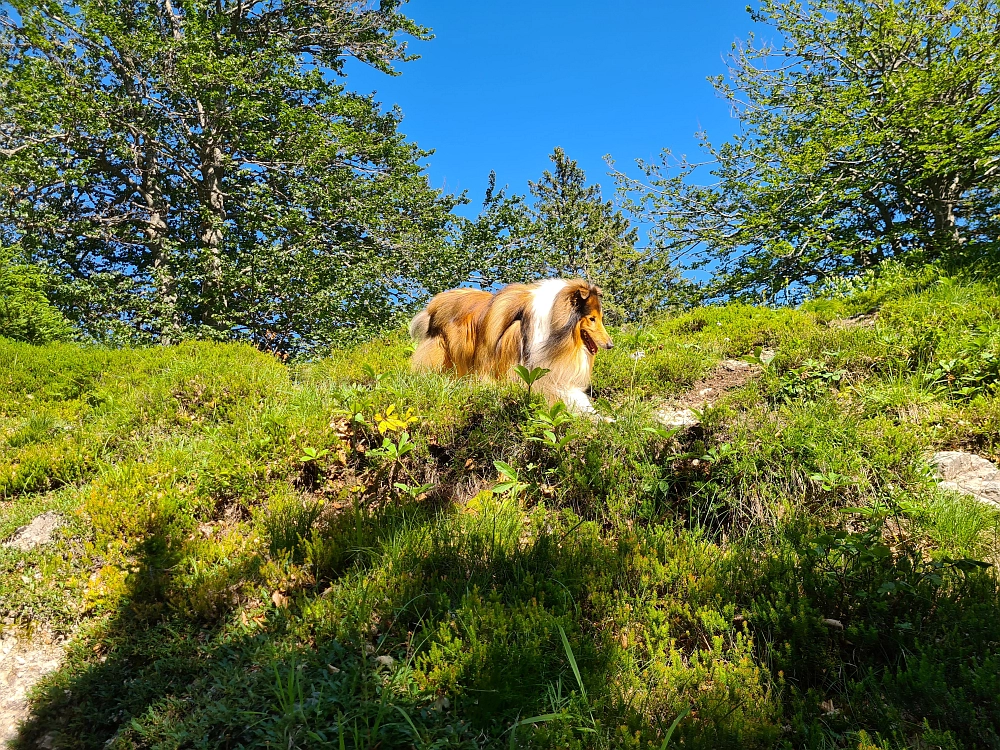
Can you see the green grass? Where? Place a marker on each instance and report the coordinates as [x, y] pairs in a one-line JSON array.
[[254, 554]]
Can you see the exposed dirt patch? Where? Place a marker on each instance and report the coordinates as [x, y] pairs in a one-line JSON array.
[[727, 376], [36, 533], [23, 661], [865, 320]]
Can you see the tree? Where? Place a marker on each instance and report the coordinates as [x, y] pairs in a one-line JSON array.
[[498, 245], [568, 230], [200, 169], [581, 234], [871, 132], [25, 311]]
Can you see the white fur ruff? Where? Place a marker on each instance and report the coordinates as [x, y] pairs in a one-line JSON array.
[[543, 298], [567, 380]]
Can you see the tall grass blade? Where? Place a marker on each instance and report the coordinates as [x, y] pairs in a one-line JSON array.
[[572, 661], [531, 720], [673, 726], [416, 733]]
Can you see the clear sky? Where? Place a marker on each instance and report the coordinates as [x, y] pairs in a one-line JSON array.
[[503, 83]]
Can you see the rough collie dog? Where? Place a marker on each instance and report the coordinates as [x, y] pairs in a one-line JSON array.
[[555, 324]]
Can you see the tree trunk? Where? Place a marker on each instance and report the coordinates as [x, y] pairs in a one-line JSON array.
[[213, 215], [156, 231], [166, 291], [946, 195]]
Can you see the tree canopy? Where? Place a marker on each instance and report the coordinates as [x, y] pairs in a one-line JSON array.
[[869, 132], [200, 168]]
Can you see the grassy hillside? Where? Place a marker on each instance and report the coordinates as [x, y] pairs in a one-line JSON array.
[[329, 555]]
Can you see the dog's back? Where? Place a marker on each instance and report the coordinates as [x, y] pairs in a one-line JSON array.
[[446, 331]]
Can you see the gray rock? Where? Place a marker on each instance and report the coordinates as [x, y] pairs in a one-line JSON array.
[[968, 474], [23, 662], [36, 533], [676, 417]]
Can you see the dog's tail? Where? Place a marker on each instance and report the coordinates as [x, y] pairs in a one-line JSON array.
[[420, 326]]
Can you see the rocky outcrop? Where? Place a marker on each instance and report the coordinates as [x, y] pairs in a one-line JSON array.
[[968, 474]]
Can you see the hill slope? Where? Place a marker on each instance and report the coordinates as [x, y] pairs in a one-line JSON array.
[[330, 554]]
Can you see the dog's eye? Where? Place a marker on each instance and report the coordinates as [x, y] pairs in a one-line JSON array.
[[592, 319]]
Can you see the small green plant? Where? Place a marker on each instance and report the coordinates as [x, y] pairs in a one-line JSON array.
[[373, 375], [974, 372], [831, 481], [717, 453], [511, 482], [549, 425], [530, 377], [808, 382], [863, 567], [310, 454], [396, 449], [757, 358], [414, 492], [664, 433]]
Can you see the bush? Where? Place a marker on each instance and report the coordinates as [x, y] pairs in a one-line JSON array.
[[25, 312]]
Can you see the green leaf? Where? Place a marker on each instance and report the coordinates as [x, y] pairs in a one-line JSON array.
[[505, 469], [673, 727], [572, 661]]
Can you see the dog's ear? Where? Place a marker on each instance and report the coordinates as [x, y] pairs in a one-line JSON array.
[[597, 290], [583, 292]]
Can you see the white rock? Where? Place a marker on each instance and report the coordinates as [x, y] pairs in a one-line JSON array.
[[22, 664], [676, 417], [36, 533], [968, 474]]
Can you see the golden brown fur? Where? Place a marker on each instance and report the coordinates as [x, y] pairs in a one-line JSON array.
[[553, 324]]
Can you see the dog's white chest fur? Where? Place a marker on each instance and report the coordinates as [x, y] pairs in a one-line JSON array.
[[566, 378]]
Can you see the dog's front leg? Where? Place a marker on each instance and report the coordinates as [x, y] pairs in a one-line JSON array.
[[576, 401]]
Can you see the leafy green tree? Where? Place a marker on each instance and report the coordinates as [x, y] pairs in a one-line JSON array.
[[498, 245], [25, 311], [870, 132], [199, 168]]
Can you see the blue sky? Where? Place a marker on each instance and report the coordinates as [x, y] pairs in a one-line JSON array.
[[503, 83]]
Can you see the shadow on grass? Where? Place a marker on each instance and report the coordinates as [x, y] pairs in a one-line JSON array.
[[339, 668], [409, 605]]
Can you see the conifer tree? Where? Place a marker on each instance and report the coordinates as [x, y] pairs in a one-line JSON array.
[[578, 233]]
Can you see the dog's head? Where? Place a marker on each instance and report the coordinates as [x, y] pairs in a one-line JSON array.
[[590, 327]]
